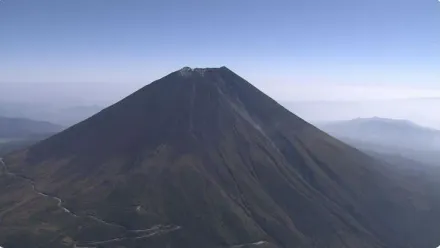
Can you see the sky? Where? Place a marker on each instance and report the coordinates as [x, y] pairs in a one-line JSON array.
[[97, 51]]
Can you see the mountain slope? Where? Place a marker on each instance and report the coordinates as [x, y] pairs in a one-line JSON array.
[[201, 158]]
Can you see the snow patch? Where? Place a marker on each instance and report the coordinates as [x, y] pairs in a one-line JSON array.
[[140, 234], [186, 71], [251, 244], [201, 71]]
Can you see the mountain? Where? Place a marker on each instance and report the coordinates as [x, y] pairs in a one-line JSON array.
[[17, 133], [419, 109], [18, 128], [59, 113], [388, 136], [201, 158]]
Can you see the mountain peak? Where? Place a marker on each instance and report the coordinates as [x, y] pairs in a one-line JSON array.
[[188, 71]]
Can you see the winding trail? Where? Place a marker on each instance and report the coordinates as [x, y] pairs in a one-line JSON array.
[[60, 202], [34, 188], [251, 244], [141, 233], [154, 231]]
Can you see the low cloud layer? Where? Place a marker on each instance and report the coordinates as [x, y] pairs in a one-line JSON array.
[[419, 110]]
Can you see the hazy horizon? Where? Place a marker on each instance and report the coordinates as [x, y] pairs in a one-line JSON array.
[[417, 110], [80, 53]]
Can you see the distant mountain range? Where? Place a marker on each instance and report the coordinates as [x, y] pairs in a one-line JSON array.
[[19, 128], [390, 136], [201, 158], [16, 133], [419, 110], [61, 115]]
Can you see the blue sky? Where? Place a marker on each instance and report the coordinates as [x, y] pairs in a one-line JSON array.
[[293, 50]]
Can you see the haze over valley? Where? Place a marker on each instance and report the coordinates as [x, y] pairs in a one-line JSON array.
[[75, 106]]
